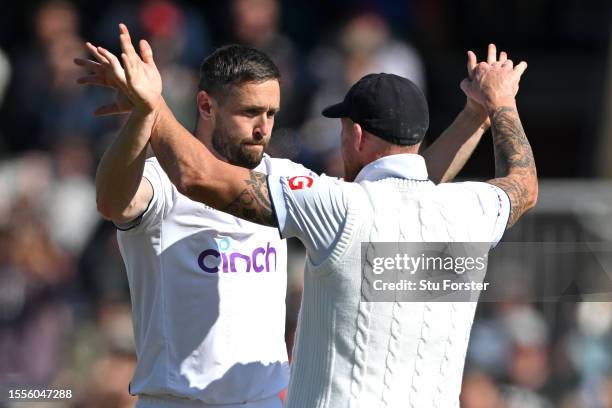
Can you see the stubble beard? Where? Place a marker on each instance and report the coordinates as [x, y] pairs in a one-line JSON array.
[[235, 153]]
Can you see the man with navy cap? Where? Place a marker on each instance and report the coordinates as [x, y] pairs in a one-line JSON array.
[[350, 351]]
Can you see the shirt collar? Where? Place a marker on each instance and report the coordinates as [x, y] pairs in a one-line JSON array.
[[261, 167], [405, 166]]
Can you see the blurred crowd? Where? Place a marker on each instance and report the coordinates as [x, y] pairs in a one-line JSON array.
[[64, 300]]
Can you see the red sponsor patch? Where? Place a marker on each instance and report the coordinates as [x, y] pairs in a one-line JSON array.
[[300, 182]]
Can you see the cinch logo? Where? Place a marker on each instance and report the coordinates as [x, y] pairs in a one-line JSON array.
[[258, 260], [300, 182]]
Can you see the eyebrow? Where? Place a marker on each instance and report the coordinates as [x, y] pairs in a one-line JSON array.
[[259, 108]]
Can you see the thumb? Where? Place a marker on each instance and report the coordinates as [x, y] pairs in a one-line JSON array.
[[110, 109], [471, 63], [464, 85], [520, 69]]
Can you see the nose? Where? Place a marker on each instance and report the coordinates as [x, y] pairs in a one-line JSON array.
[[263, 127]]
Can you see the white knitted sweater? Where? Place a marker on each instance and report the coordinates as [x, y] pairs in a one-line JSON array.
[[354, 353]]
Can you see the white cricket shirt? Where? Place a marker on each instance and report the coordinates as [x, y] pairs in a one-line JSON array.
[[208, 298]]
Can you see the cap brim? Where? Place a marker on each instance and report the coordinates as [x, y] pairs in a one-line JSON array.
[[335, 111]]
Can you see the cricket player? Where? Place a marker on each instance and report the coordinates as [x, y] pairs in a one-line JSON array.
[[208, 288]]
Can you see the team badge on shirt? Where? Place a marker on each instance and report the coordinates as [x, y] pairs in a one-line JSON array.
[[300, 182]]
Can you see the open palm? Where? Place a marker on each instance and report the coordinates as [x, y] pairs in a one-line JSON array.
[[138, 85], [102, 73], [142, 77]]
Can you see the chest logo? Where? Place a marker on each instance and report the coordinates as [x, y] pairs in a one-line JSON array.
[[214, 260], [300, 182]]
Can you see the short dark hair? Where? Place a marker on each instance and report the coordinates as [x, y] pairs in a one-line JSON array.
[[235, 65]]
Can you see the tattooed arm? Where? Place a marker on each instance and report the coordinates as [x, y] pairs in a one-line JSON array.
[[515, 169], [495, 85], [202, 177], [253, 203]]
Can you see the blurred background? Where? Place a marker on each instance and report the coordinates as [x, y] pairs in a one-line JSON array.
[[64, 300]]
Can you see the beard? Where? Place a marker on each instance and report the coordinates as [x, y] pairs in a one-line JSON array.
[[233, 149]]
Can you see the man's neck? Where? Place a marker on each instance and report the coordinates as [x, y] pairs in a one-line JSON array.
[[204, 135]]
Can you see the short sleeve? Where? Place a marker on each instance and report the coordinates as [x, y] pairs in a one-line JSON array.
[[164, 196], [312, 209], [288, 168], [297, 169], [493, 205]]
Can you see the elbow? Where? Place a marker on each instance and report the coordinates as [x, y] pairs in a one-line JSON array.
[[532, 197], [109, 210], [105, 208]]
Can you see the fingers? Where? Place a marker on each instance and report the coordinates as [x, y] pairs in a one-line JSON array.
[[93, 79], [147, 53], [111, 109], [89, 64], [123, 29], [480, 70], [94, 51], [471, 63], [520, 69], [115, 64], [126, 48], [502, 57], [491, 54], [508, 64], [129, 67], [126, 44], [109, 56]]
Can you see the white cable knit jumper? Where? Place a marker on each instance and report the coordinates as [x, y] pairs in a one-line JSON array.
[[352, 353]]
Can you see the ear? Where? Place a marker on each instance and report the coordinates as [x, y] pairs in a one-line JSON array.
[[206, 105], [358, 138]]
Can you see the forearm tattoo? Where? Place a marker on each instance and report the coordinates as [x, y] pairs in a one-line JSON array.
[[512, 155], [253, 203]]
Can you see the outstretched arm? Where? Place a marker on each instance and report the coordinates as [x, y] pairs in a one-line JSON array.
[[122, 194], [495, 86], [515, 169]]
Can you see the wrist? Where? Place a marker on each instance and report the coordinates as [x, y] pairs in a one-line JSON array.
[[144, 115], [148, 111], [476, 114], [493, 105], [157, 115], [474, 111]]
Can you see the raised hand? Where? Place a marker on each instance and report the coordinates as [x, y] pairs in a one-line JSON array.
[[144, 84], [471, 104], [103, 73], [495, 82], [138, 82]]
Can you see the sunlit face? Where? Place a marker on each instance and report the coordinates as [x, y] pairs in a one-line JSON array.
[[244, 120]]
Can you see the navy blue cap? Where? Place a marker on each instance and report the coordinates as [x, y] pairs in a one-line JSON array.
[[386, 105]]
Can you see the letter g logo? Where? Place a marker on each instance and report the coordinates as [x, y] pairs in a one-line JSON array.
[[300, 182]]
